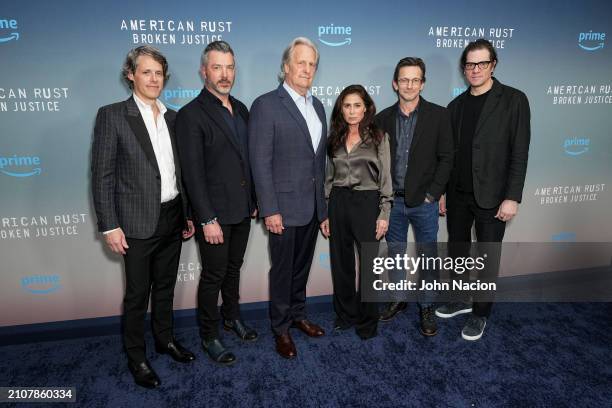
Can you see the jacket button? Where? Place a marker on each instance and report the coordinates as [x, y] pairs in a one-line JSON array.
[[158, 177], [243, 183], [313, 180]]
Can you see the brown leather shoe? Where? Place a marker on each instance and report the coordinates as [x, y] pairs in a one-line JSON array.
[[309, 328], [285, 346]]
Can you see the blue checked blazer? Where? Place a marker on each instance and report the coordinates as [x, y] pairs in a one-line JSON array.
[[288, 173]]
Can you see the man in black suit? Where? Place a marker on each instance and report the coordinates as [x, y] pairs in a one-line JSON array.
[[212, 139], [491, 129], [287, 140], [421, 143], [140, 206]]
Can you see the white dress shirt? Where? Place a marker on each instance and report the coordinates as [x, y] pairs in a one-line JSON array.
[[306, 108], [160, 139]]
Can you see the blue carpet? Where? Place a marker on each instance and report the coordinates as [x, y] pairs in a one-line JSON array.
[[553, 355]]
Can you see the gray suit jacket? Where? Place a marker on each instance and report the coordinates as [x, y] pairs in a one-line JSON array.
[[125, 179], [289, 175]]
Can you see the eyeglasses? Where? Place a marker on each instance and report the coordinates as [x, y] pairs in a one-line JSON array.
[[408, 81], [471, 65]]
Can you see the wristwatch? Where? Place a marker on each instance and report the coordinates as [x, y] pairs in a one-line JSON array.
[[210, 221]]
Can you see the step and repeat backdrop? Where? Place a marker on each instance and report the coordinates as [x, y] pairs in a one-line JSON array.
[[61, 61]]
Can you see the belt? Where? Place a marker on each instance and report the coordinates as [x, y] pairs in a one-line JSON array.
[[172, 202]]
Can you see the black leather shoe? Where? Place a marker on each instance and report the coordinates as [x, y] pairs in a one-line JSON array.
[[341, 325], [391, 310], [217, 352], [176, 351], [144, 375], [367, 335], [242, 330], [428, 324]]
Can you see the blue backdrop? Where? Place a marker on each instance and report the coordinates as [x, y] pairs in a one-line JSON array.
[[61, 61]]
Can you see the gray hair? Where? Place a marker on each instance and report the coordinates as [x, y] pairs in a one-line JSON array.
[[289, 52], [220, 46], [131, 62]]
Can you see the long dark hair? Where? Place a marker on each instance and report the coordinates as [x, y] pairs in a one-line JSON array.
[[368, 130]]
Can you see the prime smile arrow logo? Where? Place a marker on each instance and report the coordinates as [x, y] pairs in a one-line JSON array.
[[347, 41], [9, 25], [598, 46], [34, 172], [13, 36], [335, 36], [594, 40]]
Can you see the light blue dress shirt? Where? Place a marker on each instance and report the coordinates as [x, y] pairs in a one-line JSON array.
[[306, 108]]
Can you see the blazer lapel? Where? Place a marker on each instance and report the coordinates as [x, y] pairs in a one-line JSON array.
[[295, 112], [321, 114], [136, 122], [422, 118], [207, 105]]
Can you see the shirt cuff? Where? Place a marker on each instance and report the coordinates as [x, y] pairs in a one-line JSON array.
[[109, 231]]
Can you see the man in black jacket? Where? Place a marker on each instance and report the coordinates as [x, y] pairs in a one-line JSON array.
[[491, 129], [141, 207], [212, 139], [421, 143]]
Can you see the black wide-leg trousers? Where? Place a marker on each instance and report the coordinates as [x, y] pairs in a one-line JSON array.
[[352, 221]]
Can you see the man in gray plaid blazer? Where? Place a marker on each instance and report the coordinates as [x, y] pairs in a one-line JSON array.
[[140, 207]]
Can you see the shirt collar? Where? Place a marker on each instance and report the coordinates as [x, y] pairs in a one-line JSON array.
[[145, 107], [403, 115], [215, 99], [296, 96]]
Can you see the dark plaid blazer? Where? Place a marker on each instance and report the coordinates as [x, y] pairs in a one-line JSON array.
[[125, 178]]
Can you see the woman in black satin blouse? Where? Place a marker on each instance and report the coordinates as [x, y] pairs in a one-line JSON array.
[[358, 186]]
